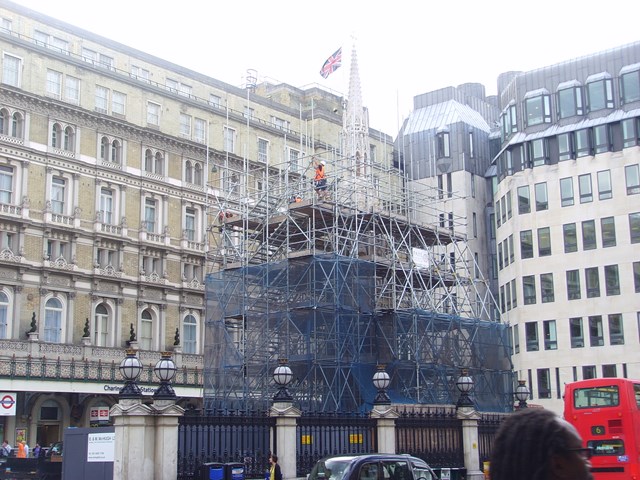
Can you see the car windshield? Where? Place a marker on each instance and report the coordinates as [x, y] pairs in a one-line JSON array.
[[329, 469]]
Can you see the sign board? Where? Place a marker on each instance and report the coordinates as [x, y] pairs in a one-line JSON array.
[[99, 416], [445, 474], [420, 257], [101, 447], [7, 404]]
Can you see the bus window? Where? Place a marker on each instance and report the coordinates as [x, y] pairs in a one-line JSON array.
[[636, 390], [605, 396]]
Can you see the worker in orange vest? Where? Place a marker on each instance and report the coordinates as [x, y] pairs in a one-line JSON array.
[[320, 179]]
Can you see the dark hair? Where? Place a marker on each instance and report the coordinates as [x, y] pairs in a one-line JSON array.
[[524, 444], [274, 458]]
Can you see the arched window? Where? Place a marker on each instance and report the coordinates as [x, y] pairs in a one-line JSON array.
[[148, 161], [159, 164], [197, 174], [69, 139], [101, 326], [53, 321], [188, 173], [4, 314], [189, 334], [4, 121], [104, 148], [56, 136], [17, 125], [116, 152], [146, 330]]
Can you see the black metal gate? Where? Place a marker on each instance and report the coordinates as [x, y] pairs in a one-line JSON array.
[[224, 439], [322, 435], [433, 434]]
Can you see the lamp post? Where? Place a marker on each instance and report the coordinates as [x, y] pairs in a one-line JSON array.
[[464, 385], [282, 375], [381, 380], [165, 370], [130, 369], [522, 394]]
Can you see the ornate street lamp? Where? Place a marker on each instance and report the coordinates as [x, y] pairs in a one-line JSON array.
[[522, 393], [381, 380], [130, 369], [282, 375], [165, 370], [464, 385]]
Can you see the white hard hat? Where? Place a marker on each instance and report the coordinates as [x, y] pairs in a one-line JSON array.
[[323, 162]]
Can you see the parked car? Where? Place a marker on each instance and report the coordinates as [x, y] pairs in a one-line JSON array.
[[54, 450], [372, 467]]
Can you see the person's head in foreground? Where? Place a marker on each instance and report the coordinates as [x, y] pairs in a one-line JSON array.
[[536, 444]]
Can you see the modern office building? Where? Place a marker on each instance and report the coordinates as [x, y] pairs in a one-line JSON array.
[[567, 211], [113, 166]]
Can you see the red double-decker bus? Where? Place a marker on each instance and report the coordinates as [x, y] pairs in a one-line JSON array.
[[606, 412]]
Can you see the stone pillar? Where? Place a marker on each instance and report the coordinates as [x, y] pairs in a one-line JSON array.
[[286, 420], [386, 423], [470, 418], [166, 438], [134, 452]]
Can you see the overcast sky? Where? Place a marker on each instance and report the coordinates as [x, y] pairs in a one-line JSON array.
[[404, 47]]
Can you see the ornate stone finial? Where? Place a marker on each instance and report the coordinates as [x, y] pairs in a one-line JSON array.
[[132, 333], [176, 338], [85, 333], [34, 325]]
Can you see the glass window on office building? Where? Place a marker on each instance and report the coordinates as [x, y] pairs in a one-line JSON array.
[[612, 280], [537, 107], [588, 372], [592, 281], [570, 237], [589, 235], [573, 284], [583, 142], [596, 334], [634, 227], [531, 336], [630, 134], [526, 244], [604, 185], [566, 148], [569, 99], [608, 230], [544, 242], [550, 335], [524, 202], [630, 83], [544, 383], [599, 92], [609, 371], [601, 138], [616, 329], [576, 332], [529, 289], [542, 199], [566, 191], [584, 187], [546, 288], [632, 178]]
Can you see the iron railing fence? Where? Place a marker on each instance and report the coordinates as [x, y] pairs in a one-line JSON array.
[[488, 425], [433, 434], [242, 438], [320, 435]]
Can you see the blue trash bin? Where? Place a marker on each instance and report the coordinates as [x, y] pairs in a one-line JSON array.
[[234, 471], [212, 471]]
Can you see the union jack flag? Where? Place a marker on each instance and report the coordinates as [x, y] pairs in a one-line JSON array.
[[332, 63]]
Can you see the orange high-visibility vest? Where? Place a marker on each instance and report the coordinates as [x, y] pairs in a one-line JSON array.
[[319, 172]]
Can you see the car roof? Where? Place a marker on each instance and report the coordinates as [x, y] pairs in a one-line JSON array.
[[374, 456]]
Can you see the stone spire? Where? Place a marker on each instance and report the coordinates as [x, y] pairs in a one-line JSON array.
[[356, 123]]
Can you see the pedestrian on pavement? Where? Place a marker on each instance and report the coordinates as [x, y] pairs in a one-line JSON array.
[[275, 472]]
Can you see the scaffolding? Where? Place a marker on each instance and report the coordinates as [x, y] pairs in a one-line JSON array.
[[362, 276]]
